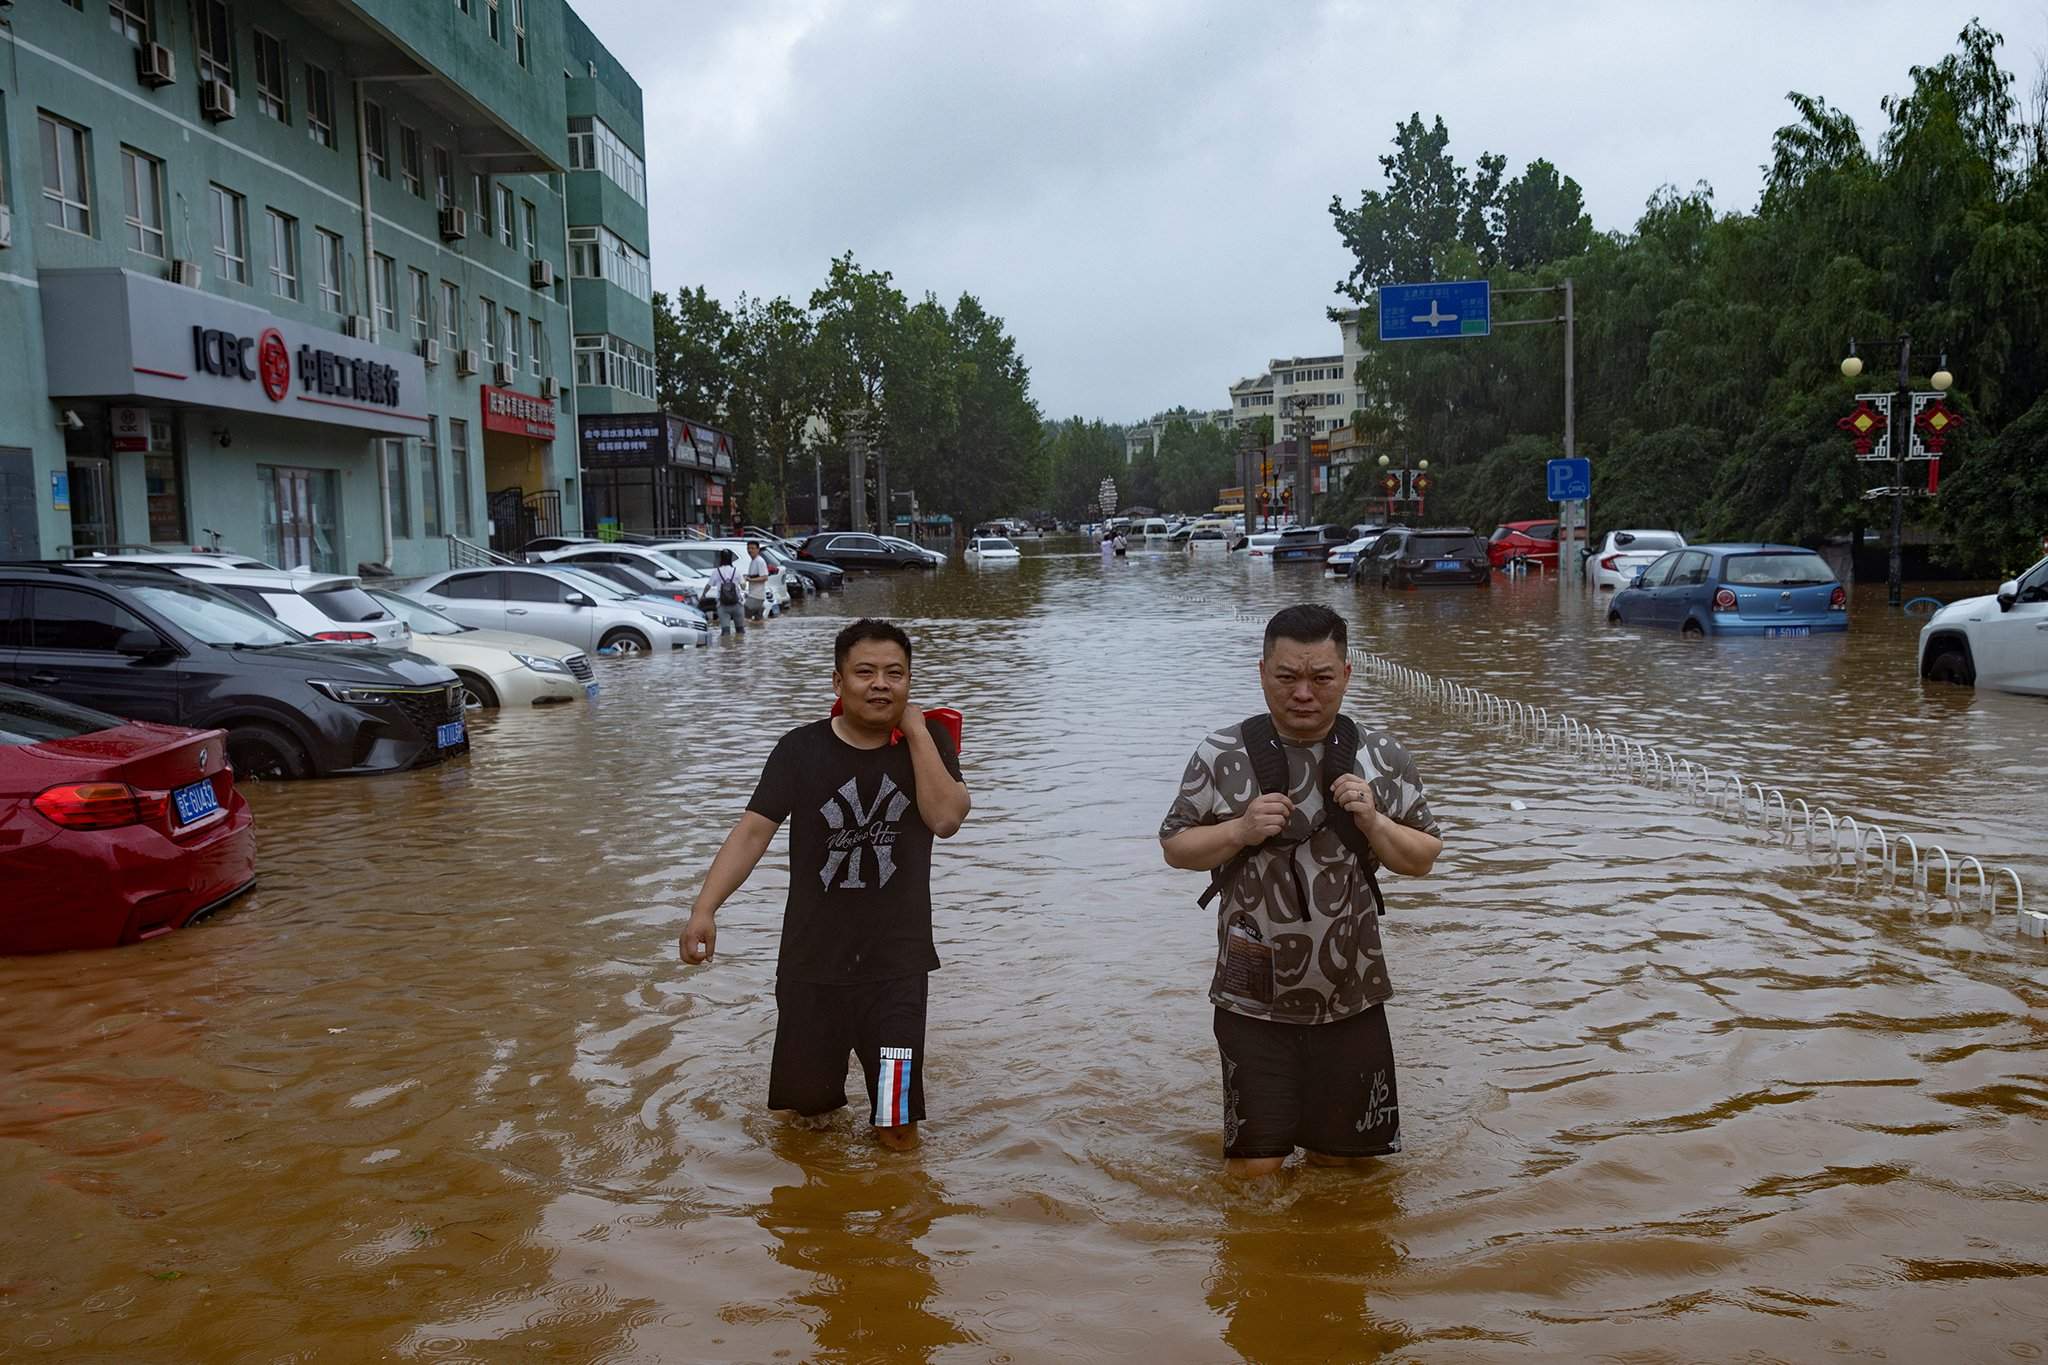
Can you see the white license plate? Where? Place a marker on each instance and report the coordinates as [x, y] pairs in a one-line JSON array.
[[449, 735], [589, 691], [195, 802], [1776, 631]]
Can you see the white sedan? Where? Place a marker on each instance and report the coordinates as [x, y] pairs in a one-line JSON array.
[[1999, 642], [1620, 554], [992, 550], [497, 668]]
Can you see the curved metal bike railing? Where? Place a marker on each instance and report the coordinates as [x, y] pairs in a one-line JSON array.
[[1852, 845]]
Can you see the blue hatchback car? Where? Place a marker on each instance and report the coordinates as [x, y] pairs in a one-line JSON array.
[[1735, 590]]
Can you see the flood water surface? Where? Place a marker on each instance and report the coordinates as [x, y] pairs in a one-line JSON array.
[[439, 1090]]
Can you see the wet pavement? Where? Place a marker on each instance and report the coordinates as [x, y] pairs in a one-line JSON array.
[[438, 1090]]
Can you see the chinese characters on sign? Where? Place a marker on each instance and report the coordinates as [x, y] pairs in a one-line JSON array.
[[518, 414]]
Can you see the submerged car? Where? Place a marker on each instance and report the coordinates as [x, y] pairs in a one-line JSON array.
[[1405, 557], [1614, 562], [992, 550], [559, 603], [1999, 641], [1771, 590], [496, 668], [323, 605], [116, 831], [1535, 541]]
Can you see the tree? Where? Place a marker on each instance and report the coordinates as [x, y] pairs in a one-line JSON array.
[[775, 391], [692, 364]]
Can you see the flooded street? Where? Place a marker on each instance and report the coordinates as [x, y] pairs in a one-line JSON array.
[[439, 1089]]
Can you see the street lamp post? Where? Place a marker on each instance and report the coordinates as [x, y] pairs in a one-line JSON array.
[[1898, 423], [1304, 462]]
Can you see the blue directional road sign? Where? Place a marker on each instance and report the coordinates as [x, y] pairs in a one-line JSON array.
[[1447, 308], [1569, 480]]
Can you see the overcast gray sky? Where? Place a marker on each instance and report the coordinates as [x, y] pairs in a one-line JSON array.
[[1140, 187]]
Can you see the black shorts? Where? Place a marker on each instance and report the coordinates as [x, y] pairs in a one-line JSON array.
[[816, 1026], [1326, 1087]]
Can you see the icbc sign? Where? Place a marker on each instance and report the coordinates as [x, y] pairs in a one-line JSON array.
[[518, 414], [267, 360]]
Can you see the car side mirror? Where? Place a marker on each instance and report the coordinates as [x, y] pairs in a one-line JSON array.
[[2008, 593], [579, 599], [664, 575], [140, 644], [1636, 579]]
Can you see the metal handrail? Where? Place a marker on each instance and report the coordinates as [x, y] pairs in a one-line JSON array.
[[467, 554]]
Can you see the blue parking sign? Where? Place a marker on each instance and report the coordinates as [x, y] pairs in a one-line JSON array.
[[1569, 480]]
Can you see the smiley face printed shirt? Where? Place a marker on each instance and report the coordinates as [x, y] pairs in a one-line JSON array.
[[860, 856], [1297, 939]]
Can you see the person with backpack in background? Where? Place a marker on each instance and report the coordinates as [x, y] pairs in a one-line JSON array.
[[725, 593], [1293, 811]]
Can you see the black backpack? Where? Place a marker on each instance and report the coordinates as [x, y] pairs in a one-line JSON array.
[[728, 585], [1269, 765]]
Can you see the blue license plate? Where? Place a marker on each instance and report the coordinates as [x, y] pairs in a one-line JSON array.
[[195, 802], [449, 735], [589, 691], [1775, 631], [1451, 565]]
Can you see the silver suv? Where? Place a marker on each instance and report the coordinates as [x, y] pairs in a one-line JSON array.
[[560, 604]]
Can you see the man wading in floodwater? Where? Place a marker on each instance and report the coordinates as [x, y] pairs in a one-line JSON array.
[[867, 790], [1300, 977]]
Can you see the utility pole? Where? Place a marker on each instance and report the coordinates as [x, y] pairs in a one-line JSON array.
[[1304, 461], [1898, 415], [857, 474], [817, 489], [1902, 428], [885, 515]]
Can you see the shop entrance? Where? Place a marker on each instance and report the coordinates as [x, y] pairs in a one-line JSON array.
[[19, 538], [299, 524], [92, 501], [517, 499]]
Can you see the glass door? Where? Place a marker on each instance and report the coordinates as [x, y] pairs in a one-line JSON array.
[[92, 500], [299, 519]]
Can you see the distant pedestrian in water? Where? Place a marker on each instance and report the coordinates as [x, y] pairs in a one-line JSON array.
[[866, 792], [1123, 544], [728, 592], [1108, 545], [1293, 811]]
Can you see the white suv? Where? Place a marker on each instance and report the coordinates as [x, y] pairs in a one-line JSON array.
[[1999, 642], [323, 605]]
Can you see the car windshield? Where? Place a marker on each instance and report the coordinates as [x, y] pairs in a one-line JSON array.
[[1783, 569], [1658, 541], [423, 619], [595, 586], [26, 718], [211, 616], [1445, 547]]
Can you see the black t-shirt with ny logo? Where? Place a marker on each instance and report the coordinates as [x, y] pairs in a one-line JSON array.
[[860, 856]]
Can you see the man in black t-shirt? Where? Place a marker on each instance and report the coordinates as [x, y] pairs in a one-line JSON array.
[[865, 792]]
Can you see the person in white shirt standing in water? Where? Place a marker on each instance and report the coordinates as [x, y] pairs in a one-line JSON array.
[[757, 581]]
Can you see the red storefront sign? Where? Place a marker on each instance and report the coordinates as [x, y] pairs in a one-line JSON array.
[[714, 495], [518, 414]]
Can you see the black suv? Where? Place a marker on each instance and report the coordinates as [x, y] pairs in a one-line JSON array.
[[1405, 557], [859, 550], [149, 645]]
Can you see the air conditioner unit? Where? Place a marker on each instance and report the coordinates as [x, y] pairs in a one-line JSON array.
[[185, 273], [357, 326], [550, 388], [502, 374], [541, 274], [155, 67], [6, 226], [430, 352], [217, 100], [466, 361], [454, 224]]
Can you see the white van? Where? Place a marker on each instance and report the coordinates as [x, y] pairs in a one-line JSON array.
[[1156, 529]]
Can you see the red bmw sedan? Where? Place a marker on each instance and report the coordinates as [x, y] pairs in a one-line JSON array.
[[112, 831]]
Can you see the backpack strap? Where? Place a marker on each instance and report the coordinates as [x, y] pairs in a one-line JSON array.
[[1340, 757]]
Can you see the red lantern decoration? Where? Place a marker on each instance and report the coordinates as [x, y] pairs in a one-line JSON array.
[[1863, 425], [1937, 422]]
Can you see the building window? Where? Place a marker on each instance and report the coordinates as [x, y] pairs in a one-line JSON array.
[[272, 94], [330, 269], [319, 106], [430, 482], [394, 474], [451, 316], [609, 361], [512, 331], [593, 146], [284, 255], [230, 234], [374, 139], [215, 35], [597, 253], [492, 22], [461, 7], [480, 202], [444, 179], [519, 30], [508, 226], [67, 198], [422, 289], [533, 345], [130, 19], [458, 458], [532, 229], [490, 311], [411, 168], [589, 361], [142, 179], [384, 292]]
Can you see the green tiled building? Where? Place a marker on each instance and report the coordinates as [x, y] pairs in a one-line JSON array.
[[333, 279]]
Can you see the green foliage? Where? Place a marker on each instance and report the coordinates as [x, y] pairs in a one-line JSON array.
[[1078, 456], [693, 371], [1708, 343]]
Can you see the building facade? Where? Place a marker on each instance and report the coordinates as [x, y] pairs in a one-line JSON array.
[[1142, 438], [1327, 381], [295, 276]]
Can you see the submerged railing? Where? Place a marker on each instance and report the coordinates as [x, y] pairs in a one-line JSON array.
[[1728, 794]]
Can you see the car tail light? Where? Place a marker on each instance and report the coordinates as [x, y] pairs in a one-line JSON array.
[[774, 568], [1258, 554], [343, 636], [100, 805], [1724, 600], [1838, 600], [1609, 565]]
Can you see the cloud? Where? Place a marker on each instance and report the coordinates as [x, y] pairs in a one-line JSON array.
[[1140, 187]]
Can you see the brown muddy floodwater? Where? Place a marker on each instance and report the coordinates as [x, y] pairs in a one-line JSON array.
[[439, 1090]]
